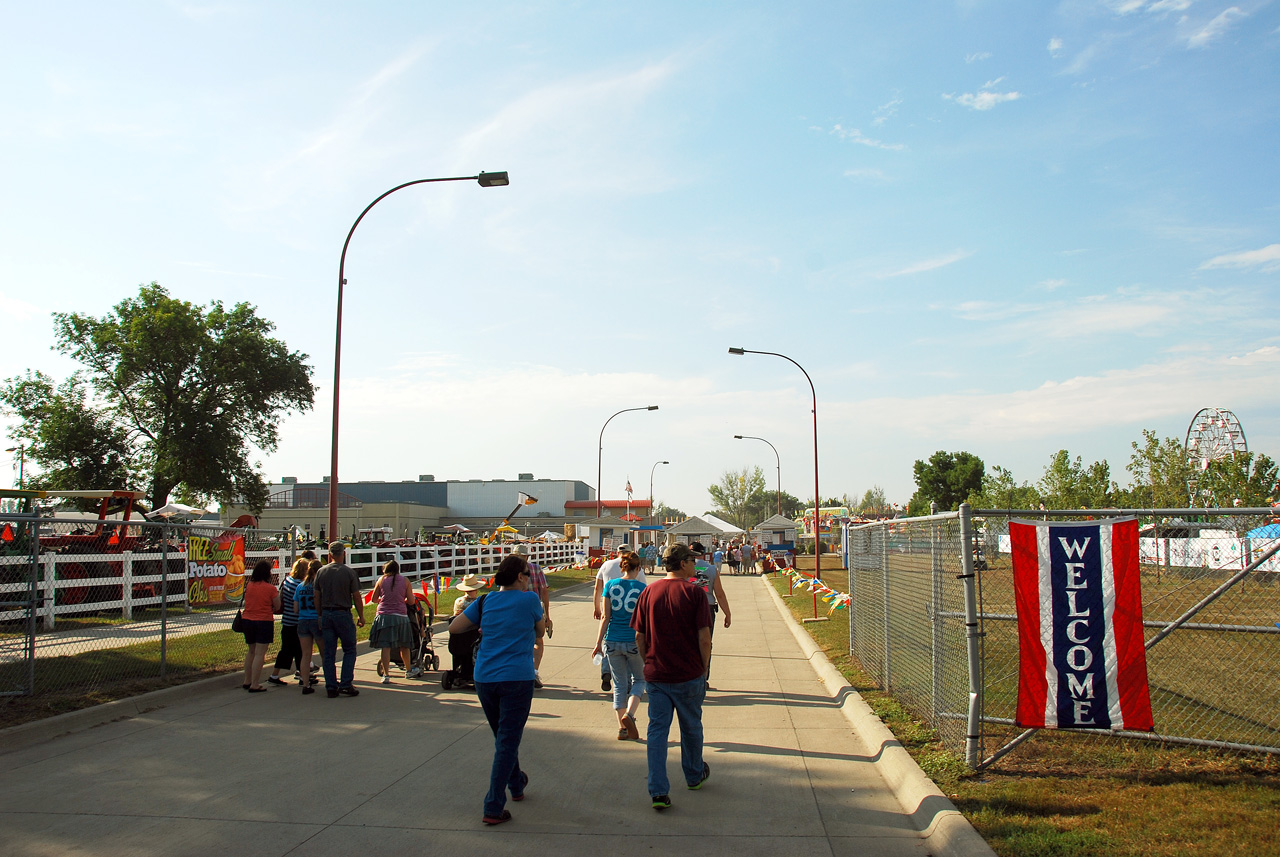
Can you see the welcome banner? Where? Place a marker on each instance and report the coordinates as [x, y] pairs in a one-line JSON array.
[[1082, 664]]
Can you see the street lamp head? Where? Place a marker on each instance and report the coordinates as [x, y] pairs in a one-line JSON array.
[[652, 407], [737, 351], [737, 437], [493, 179], [666, 462]]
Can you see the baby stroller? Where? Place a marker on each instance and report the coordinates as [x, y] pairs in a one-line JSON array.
[[421, 618], [463, 647]]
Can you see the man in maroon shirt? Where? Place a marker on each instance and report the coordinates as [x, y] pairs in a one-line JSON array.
[[672, 620]]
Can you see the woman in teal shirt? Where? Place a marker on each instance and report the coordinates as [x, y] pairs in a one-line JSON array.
[[618, 638]]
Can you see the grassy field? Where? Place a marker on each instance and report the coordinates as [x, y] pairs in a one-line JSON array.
[[69, 683], [1073, 797]]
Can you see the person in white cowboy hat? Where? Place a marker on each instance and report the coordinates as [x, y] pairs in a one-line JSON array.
[[468, 586]]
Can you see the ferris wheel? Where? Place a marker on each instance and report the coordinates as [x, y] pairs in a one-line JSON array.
[[1214, 434]]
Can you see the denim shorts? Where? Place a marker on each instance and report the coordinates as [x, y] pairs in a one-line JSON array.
[[309, 628]]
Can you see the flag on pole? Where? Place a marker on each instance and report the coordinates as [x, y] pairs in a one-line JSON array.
[[525, 499], [1081, 659], [628, 488]]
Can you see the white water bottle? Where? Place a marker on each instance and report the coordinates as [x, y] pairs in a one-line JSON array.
[[598, 659]]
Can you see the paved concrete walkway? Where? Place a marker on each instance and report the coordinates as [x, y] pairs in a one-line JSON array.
[[404, 767]]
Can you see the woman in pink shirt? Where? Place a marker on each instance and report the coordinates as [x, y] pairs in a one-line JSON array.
[[261, 603], [391, 628]]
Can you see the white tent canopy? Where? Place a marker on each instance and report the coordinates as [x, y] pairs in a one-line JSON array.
[[551, 535], [723, 525], [180, 511]]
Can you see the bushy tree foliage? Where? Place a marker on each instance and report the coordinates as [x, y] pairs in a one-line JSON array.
[[739, 497], [947, 478], [1001, 491], [183, 392], [1069, 484]]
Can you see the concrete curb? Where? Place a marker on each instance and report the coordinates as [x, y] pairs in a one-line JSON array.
[[946, 832], [38, 731]]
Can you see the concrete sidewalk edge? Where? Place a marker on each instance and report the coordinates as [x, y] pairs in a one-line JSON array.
[[948, 833]]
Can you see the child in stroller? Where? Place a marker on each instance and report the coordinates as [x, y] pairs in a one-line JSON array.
[[463, 647], [421, 618]]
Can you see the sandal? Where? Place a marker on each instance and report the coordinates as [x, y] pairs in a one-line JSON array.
[[623, 734], [380, 670]]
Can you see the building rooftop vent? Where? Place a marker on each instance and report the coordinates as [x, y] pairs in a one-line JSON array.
[[526, 477], [427, 477], [289, 480]]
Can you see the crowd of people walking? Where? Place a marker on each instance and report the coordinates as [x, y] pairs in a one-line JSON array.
[[653, 638]]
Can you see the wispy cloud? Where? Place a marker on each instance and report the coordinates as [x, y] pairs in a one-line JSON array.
[[1055, 46], [886, 111], [1214, 30], [982, 100], [853, 135], [1267, 259], [928, 264], [977, 57]]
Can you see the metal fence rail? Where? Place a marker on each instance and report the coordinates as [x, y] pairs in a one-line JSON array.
[[1211, 597], [89, 604]]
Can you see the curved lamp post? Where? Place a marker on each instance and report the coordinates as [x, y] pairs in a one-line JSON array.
[[600, 451], [775, 455], [817, 498], [499, 179], [652, 517]]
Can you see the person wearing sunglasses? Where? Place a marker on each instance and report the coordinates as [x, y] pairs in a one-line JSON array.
[[510, 620]]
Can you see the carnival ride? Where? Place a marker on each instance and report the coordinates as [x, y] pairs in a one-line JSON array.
[[1215, 434]]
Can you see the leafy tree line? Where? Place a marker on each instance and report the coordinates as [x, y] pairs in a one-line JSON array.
[[1159, 469], [171, 395]]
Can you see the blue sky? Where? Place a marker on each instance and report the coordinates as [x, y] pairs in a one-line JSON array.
[[1002, 227]]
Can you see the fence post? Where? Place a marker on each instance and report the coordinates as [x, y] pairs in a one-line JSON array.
[[884, 573], [50, 593], [34, 542], [164, 598], [973, 749], [126, 585], [935, 565]]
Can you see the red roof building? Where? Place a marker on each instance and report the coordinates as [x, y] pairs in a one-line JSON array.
[[587, 508]]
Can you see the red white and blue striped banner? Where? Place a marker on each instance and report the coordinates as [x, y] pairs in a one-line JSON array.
[[1081, 661]]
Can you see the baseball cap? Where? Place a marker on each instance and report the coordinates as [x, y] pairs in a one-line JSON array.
[[624, 547], [697, 548]]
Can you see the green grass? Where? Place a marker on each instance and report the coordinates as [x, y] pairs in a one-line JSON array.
[[72, 682], [1068, 796]]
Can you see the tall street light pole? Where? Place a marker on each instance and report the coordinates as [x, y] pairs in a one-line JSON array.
[[22, 450], [651, 515], [775, 455], [498, 179], [600, 451], [817, 498]]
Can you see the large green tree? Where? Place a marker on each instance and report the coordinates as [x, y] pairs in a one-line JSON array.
[[72, 445], [739, 497], [1001, 491], [947, 478], [1069, 484], [186, 391], [1244, 479], [1161, 473]]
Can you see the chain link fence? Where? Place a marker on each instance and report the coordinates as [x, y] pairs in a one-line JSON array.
[[94, 609], [1211, 600]]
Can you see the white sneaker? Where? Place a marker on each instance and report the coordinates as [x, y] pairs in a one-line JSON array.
[[386, 679], [537, 679], [413, 673]]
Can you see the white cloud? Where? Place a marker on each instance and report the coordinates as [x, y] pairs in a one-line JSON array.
[[928, 264], [1268, 259], [977, 57], [853, 135], [983, 100], [886, 111], [991, 83], [1215, 28], [1055, 46], [1050, 285]]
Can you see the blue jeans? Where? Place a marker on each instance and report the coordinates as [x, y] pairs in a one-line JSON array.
[[685, 700], [506, 706], [627, 668], [337, 625]]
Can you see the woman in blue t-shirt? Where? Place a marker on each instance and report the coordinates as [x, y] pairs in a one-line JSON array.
[[510, 621], [618, 638]]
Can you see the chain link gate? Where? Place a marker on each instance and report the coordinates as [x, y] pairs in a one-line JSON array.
[[19, 603], [1211, 598]]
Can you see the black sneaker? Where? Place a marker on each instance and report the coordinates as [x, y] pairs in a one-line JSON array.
[[661, 802], [348, 691], [332, 694], [271, 679], [605, 683], [706, 772]]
